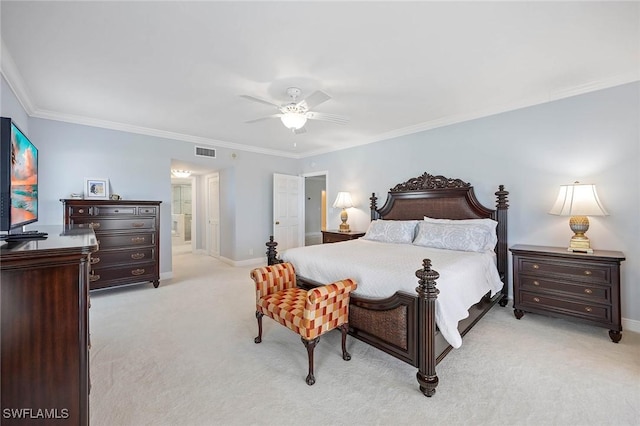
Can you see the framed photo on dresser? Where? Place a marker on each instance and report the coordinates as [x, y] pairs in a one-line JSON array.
[[96, 188]]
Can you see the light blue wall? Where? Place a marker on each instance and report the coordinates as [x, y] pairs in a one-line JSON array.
[[593, 138]]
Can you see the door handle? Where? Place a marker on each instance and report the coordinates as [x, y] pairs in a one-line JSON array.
[[277, 223]]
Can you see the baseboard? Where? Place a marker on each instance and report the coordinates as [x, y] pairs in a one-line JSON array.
[[249, 262], [630, 325]]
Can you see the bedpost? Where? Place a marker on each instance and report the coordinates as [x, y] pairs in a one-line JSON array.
[[272, 254], [427, 295], [374, 207], [502, 249]]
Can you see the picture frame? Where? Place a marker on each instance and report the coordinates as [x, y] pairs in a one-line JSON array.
[[96, 188]]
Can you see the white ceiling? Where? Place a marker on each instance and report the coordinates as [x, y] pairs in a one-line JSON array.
[[177, 69]]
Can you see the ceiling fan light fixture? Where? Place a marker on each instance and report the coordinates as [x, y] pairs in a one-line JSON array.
[[293, 120]]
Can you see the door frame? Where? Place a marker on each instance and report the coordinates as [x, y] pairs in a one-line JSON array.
[[207, 246], [324, 173]]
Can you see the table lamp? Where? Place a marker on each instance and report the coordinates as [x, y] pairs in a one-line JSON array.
[[578, 201], [343, 201]]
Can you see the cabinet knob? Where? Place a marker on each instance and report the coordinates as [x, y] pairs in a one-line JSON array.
[[535, 266], [587, 272], [80, 211], [536, 283], [588, 309], [536, 299], [588, 290]]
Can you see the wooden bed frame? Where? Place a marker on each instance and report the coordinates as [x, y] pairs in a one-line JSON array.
[[403, 325]]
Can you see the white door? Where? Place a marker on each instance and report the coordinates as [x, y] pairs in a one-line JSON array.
[[288, 214], [212, 184]]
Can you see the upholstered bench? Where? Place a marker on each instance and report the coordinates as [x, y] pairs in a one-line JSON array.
[[310, 313]]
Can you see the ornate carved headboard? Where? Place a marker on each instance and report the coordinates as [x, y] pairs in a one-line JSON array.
[[445, 198]]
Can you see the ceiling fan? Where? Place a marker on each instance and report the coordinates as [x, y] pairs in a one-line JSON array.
[[294, 115]]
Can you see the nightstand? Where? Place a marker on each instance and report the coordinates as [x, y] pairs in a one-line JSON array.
[[334, 236], [577, 286]]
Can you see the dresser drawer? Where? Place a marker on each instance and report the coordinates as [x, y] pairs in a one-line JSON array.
[[114, 210], [590, 293], [105, 277], [101, 224], [147, 211], [115, 257], [125, 240], [583, 310], [583, 272]]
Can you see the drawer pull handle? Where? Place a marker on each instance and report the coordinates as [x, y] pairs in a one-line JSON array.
[[95, 260], [535, 299], [535, 266], [137, 271], [116, 211], [588, 291], [137, 224], [588, 309], [587, 272], [80, 211], [137, 256], [93, 278], [536, 283], [137, 240], [93, 225]]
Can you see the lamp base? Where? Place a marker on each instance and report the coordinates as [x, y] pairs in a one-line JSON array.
[[344, 226], [580, 244]]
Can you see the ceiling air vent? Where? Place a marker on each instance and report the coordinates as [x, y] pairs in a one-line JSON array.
[[205, 152]]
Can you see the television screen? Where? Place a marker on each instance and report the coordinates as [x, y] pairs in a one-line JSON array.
[[19, 179]]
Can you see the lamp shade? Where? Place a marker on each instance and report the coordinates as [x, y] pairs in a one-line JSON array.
[[343, 201], [293, 120], [578, 200]]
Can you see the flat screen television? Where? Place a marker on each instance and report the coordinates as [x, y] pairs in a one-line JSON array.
[[18, 178]]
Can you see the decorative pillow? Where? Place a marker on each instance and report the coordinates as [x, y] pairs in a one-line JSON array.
[[461, 237], [489, 224], [391, 231]]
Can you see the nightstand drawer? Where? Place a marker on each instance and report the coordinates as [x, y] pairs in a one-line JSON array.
[[582, 310], [591, 293], [584, 271]]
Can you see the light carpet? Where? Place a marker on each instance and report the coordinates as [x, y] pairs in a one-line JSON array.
[[183, 354]]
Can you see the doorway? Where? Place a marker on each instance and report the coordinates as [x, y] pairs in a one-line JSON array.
[[181, 215], [315, 207]]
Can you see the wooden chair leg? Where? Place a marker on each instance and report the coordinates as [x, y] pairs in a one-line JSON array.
[[259, 316], [310, 345], [345, 355]]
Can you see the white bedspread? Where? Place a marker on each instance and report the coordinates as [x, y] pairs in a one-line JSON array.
[[381, 269]]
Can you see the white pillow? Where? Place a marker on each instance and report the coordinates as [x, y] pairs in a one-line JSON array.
[[461, 237], [391, 231], [489, 224]]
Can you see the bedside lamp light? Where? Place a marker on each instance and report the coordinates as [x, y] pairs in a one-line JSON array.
[[343, 201], [578, 201]]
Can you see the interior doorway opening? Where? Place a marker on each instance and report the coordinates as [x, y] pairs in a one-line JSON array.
[[315, 208]]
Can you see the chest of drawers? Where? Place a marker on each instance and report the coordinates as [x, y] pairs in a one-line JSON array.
[[128, 238], [578, 286]]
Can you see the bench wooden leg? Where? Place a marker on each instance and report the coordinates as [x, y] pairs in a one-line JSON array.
[[345, 355], [310, 345], [259, 316]]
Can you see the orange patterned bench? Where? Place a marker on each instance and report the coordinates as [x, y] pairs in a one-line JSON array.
[[309, 313]]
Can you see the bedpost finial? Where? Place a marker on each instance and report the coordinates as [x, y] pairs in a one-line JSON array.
[[501, 194], [427, 280], [272, 254]]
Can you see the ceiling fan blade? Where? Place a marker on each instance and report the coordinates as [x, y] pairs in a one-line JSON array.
[[334, 118], [314, 99], [264, 118], [262, 101]]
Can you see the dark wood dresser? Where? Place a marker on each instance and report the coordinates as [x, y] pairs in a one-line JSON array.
[[330, 236], [578, 286], [128, 237], [44, 306]]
